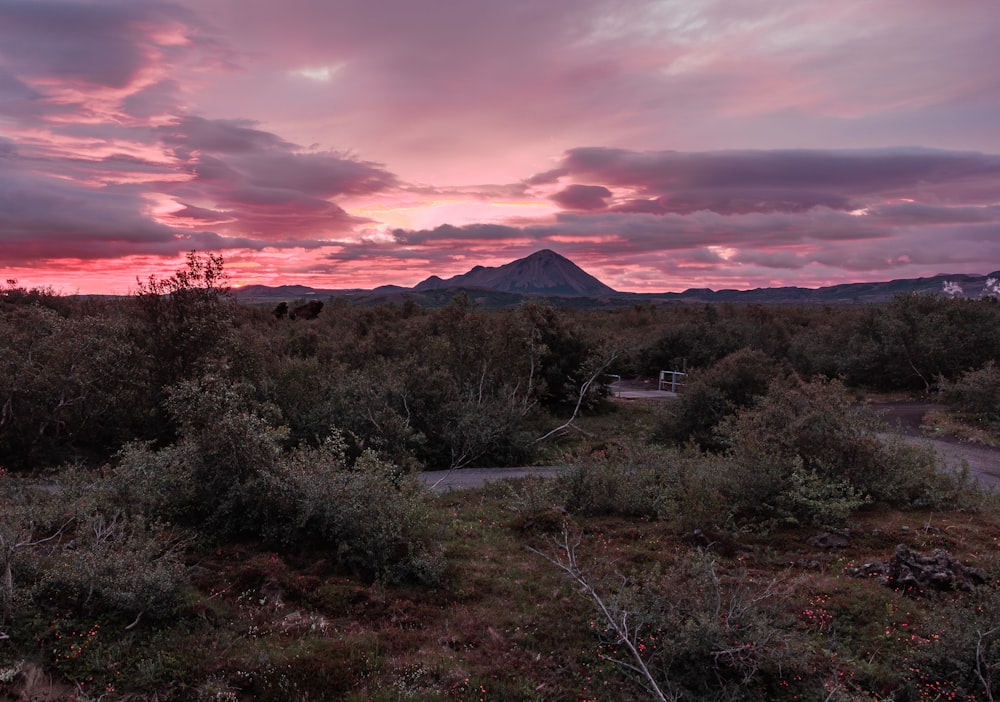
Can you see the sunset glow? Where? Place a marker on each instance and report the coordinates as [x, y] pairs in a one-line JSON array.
[[345, 144]]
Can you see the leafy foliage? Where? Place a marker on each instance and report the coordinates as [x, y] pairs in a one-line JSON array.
[[734, 382], [975, 392], [242, 487], [810, 437], [369, 517]]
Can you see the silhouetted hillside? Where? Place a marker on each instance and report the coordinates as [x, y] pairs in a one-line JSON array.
[[547, 275], [544, 272]]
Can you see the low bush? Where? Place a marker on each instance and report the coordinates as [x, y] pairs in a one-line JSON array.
[[684, 631], [806, 454], [115, 566], [734, 382], [644, 480], [809, 454], [975, 393], [370, 516]]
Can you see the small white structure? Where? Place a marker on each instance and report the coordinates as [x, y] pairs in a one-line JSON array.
[[673, 383]]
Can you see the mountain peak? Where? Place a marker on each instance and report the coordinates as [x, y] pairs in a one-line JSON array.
[[543, 271]]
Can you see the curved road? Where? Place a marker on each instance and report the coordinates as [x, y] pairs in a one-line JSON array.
[[905, 419], [983, 462]]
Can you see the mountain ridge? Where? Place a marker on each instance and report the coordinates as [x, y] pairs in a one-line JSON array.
[[549, 275]]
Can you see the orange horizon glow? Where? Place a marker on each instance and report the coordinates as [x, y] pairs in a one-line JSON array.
[[658, 147]]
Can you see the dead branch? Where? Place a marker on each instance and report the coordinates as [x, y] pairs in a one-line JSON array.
[[584, 389], [986, 678], [618, 622]]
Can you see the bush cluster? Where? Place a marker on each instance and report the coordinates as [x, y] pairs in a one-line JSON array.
[[975, 393], [193, 420], [227, 478], [804, 453]]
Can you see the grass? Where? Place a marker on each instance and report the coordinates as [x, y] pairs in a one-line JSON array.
[[505, 624], [938, 423]]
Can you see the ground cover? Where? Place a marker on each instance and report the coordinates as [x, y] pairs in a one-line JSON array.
[[505, 624]]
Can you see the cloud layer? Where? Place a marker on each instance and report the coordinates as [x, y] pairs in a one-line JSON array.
[[661, 145]]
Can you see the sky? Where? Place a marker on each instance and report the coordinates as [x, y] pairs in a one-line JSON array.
[[659, 144]]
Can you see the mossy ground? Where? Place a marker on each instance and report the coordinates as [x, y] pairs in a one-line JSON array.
[[506, 624]]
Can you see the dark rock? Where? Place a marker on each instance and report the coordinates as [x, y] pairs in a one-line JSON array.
[[920, 574]]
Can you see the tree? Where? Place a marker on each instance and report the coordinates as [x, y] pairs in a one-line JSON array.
[[186, 317]]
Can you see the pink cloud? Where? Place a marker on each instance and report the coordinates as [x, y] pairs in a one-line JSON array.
[[582, 197], [351, 141]]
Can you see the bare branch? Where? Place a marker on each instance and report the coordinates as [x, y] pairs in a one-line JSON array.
[[584, 389], [986, 678], [620, 625], [28, 544], [137, 618]]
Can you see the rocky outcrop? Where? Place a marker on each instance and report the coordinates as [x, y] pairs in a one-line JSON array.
[[920, 574]]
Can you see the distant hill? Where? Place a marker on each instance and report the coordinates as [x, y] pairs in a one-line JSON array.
[[547, 275], [543, 272]]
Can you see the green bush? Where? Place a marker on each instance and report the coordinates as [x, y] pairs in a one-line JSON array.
[[805, 454], [711, 395], [620, 480], [370, 517], [975, 392], [186, 320], [913, 339], [811, 499], [645, 481], [117, 566], [807, 443], [69, 386]]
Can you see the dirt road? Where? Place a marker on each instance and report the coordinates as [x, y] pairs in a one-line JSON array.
[[983, 462], [903, 418]]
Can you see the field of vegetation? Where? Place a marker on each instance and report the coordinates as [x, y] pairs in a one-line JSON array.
[[201, 501]]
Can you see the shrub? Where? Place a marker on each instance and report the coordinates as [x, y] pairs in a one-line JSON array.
[[683, 631], [187, 319], [68, 386], [117, 566], [226, 440], [644, 481], [806, 443], [711, 395], [815, 500], [975, 392], [369, 516]]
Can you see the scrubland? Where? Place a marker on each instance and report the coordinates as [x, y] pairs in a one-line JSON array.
[[203, 502]]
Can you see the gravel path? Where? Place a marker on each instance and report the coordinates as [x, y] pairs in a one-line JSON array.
[[903, 417], [983, 462], [441, 480]]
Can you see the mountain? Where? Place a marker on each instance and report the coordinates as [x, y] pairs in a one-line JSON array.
[[543, 272]]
